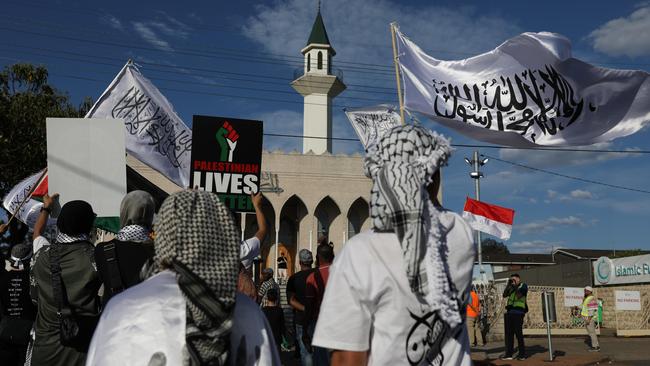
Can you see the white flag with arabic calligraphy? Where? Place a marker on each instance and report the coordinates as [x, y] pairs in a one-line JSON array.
[[528, 91], [155, 134], [370, 123]]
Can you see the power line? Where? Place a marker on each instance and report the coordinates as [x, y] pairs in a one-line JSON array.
[[567, 176]]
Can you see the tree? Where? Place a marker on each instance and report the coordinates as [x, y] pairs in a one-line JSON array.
[[491, 246], [26, 100]]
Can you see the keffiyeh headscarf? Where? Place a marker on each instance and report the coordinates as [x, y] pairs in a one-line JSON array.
[[196, 238], [136, 217], [402, 165]]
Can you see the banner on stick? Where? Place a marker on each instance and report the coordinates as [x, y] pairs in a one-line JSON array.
[[528, 91], [227, 159], [28, 213], [155, 134], [370, 123]]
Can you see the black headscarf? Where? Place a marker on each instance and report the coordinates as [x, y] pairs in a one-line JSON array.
[[76, 218]]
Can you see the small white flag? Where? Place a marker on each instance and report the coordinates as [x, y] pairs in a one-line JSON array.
[[31, 208], [155, 134], [528, 91], [370, 123]]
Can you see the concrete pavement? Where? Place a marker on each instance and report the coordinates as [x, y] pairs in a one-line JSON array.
[[571, 351]]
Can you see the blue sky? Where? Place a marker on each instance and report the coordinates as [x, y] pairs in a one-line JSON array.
[[237, 58]]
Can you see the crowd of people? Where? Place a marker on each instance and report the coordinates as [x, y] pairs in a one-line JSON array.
[[181, 291]]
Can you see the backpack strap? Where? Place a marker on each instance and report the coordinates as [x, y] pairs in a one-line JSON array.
[[58, 288], [115, 283]]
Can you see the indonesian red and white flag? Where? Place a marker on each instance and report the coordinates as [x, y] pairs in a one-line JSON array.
[[491, 219]]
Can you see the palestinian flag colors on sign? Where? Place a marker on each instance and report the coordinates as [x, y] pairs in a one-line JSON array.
[[491, 219], [29, 193]]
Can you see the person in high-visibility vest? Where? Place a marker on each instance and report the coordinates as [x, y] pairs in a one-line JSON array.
[[473, 313], [589, 312], [516, 309]]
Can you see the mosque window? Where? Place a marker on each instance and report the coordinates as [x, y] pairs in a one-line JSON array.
[[308, 62], [319, 62]]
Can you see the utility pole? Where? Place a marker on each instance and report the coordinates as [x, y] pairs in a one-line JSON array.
[[476, 174]]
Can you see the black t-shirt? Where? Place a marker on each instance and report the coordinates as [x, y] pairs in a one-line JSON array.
[[130, 257], [275, 316], [297, 285], [14, 295]]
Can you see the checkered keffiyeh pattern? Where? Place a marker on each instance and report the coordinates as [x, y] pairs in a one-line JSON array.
[[134, 233], [197, 238], [401, 166], [264, 289]]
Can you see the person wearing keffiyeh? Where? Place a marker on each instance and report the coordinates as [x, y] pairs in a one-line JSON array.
[[79, 277], [395, 293], [120, 260], [187, 312]]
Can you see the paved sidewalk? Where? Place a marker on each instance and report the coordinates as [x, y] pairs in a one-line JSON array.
[[571, 351]]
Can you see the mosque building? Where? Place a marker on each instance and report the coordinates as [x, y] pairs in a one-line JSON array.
[[309, 195]]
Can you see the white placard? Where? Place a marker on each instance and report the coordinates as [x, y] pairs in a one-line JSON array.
[[573, 296], [628, 300], [86, 161]]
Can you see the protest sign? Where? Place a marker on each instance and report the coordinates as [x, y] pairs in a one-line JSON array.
[[573, 296], [226, 159], [628, 300], [86, 161]]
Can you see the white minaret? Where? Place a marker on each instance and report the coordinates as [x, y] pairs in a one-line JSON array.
[[318, 86]]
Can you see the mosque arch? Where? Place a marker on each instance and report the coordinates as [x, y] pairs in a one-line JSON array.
[[325, 213], [357, 215]]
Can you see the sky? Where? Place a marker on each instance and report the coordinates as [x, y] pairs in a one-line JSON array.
[[236, 59]]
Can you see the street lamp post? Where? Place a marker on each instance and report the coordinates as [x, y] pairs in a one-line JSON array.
[[476, 174]]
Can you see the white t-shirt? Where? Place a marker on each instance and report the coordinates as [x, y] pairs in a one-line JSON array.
[[150, 318], [248, 250], [368, 304]]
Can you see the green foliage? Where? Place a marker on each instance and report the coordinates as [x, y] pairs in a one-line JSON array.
[[26, 100], [627, 253], [491, 246]]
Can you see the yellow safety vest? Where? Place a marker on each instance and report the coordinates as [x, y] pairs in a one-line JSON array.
[[585, 305], [515, 302]]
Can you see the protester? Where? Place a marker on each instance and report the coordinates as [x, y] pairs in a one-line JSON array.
[[296, 289], [120, 260], [282, 266], [275, 316], [188, 312], [473, 316], [316, 284], [588, 312], [396, 293], [64, 282], [516, 308], [18, 312], [268, 282], [250, 249]]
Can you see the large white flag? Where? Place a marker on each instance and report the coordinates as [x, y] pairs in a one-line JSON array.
[[370, 123], [155, 134], [527, 91]]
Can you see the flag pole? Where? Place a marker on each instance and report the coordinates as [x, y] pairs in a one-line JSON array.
[[27, 197], [396, 63]]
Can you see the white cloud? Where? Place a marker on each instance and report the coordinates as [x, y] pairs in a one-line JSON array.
[[628, 36], [544, 226], [148, 34], [547, 159], [359, 30], [113, 22], [282, 121], [581, 194], [551, 193], [534, 246]]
